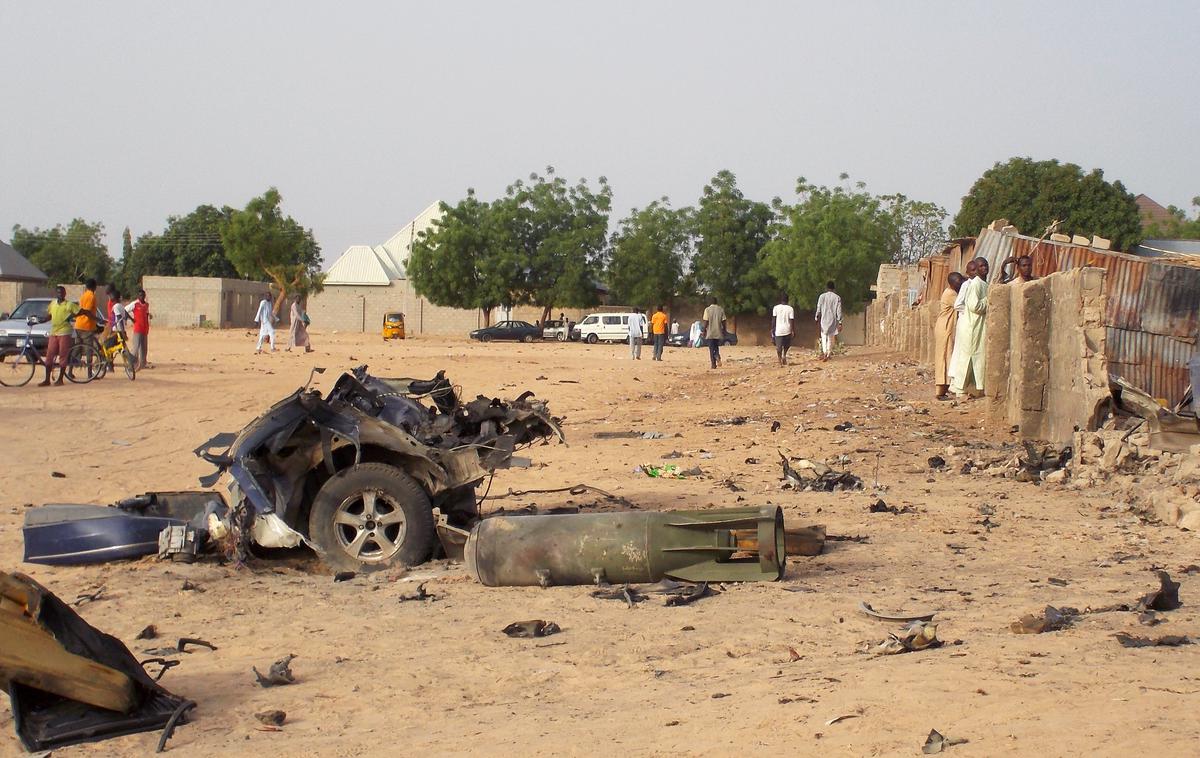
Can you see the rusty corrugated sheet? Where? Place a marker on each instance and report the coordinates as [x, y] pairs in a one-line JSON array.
[[1154, 362]]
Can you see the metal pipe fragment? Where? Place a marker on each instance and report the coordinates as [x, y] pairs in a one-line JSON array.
[[628, 547]]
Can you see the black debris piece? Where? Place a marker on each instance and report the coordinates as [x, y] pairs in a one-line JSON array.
[[344, 576], [1051, 619], [775, 426], [845, 426], [148, 633], [1165, 598], [418, 594], [936, 462]]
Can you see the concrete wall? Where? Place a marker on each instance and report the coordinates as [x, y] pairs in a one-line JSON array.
[[12, 293], [360, 308], [1045, 367], [191, 300]]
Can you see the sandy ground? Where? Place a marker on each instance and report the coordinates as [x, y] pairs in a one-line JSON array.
[[381, 677]]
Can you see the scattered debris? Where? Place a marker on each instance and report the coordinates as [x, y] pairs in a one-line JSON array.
[[534, 628], [879, 506], [668, 471], [775, 426], [419, 594], [936, 462], [190, 586], [1038, 462], [936, 743], [1165, 598], [733, 421], [1169, 640], [68, 682], [843, 717], [148, 633], [278, 675], [630, 435], [868, 610], [701, 590], [918, 635], [845, 426], [1051, 619], [271, 718], [89, 597], [58, 475], [344, 576], [826, 481]]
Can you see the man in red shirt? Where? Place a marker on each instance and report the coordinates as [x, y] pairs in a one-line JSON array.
[[141, 329]]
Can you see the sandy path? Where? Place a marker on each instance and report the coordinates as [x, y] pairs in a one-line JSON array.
[[380, 677]]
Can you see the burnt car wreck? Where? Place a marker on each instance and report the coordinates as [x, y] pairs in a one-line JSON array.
[[367, 476]]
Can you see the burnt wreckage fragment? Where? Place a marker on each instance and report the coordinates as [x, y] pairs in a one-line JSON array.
[[355, 474]]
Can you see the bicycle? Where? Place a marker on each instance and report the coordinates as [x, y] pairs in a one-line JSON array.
[[113, 347], [85, 360], [19, 364]]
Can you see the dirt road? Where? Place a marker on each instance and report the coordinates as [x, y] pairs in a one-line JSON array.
[[381, 677]]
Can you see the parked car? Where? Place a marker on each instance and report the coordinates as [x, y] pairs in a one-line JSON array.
[[606, 327], [13, 326], [683, 340], [558, 329], [522, 331]]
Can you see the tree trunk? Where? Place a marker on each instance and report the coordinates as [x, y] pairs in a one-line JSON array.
[[546, 310], [487, 315]]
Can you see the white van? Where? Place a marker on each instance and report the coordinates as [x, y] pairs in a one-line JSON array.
[[609, 327]]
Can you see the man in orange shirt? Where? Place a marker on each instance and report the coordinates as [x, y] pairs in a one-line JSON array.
[[86, 322], [658, 327]]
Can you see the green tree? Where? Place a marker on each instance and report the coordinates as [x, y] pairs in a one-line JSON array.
[[920, 228], [648, 252], [461, 261], [68, 255], [1033, 194], [1179, 227], [732, 230], [836, 234], [264, 244], [554, 235], [189, 246]]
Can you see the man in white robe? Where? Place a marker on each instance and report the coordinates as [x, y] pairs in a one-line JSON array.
[[967, 364], [265, 318]]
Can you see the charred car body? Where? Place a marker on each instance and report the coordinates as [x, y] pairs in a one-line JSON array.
[[362, 475]]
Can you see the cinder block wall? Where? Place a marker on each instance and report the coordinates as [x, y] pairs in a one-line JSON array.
[[191, 300], [12, 293], [360, 308]]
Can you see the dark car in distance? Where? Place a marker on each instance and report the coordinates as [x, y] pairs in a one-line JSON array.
[[681, 340], [521, 331]]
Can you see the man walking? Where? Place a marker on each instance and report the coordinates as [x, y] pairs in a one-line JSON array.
[[140, 310], [658, 326], [784, 317], [713, 328], [59, 344], [637, 329], [265, 318], [829, 319]]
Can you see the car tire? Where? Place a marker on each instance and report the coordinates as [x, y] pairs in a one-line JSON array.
[[485, 338], [527, 339], [370, 517], [592, 338], [562, 336]]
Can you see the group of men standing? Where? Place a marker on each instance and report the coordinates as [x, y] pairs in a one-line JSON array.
[[266, 318], [79, 321], [960, 329]]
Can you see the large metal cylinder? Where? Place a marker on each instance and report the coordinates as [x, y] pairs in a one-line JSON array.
[[628, 547]]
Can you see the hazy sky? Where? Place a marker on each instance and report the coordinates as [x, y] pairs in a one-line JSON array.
[[362, 113]]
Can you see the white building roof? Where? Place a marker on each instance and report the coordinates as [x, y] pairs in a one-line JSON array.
[[381, 264]]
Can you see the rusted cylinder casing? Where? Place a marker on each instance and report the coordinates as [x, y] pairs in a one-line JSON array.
[[625, 547]]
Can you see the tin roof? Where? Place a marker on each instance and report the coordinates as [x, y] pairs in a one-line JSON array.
[[13, 265]]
